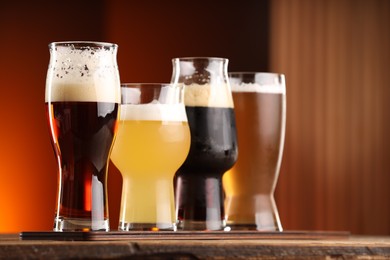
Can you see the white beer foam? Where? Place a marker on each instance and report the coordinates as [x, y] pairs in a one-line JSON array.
[[154, 112], [83, 75], [258, 88], [169, 94], [207, 95]]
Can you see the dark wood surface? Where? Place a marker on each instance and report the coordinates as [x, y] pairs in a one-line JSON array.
[[196, 245]]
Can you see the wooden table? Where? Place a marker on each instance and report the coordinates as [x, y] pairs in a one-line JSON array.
[[190, 245]]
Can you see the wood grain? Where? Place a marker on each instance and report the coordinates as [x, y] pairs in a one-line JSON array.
[[351, 248], [182, 235], [336, 58]]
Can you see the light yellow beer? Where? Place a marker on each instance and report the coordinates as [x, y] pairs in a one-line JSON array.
[[152, 143]]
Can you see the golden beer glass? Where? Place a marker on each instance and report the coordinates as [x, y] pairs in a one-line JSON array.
[[153, 141], [260, 106]]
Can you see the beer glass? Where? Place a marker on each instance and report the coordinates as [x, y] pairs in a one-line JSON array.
[[153, 141], [209, 107], [82, 100], [260, 105]]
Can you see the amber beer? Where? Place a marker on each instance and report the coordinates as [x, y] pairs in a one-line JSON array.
[[83, 148], [249, 185], [82, 118]]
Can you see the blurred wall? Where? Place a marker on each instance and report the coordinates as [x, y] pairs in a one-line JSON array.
[[27, 165], [149, 34], [336, 57]]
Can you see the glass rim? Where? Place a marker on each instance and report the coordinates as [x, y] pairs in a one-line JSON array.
[[199, 58], [257, 82], [83, 44], [145, 84], [254, 73]]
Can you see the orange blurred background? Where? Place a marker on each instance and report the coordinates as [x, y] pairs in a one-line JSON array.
[[149, 34], [335, 55]]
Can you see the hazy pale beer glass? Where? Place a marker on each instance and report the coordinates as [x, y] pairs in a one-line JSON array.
[[82, 100], [210, 111], [260, 105], [153, 141]]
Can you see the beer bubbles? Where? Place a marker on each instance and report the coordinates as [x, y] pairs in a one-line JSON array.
[[82, 102], [79, 72]]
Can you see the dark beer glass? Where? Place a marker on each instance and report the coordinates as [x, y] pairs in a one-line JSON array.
[[82, 100], [213, 150]]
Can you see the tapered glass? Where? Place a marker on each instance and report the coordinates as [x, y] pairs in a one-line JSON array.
[[82, 101]]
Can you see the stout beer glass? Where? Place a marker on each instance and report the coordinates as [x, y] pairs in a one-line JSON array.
[[260, 105], [209, 107], [153, 141], [82, 99]]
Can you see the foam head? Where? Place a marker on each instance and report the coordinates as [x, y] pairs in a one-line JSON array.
[[260, 82], [154, 111], [258, 88], [83, 71], [208, 95]]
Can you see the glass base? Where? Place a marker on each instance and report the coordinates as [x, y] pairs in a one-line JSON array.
[[125, 226], [253, 212], [201, 225], [80, 224], [248, 227]]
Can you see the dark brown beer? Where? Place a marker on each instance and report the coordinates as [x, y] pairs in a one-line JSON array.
[[210, 112], [199, 194], [82, 96], [82, 135]]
